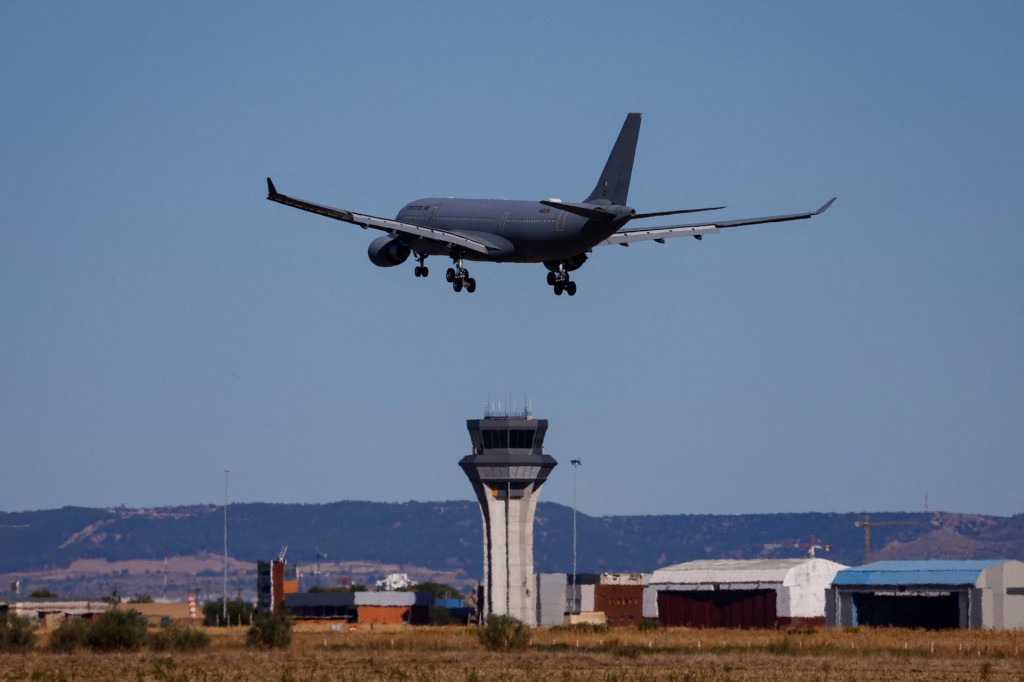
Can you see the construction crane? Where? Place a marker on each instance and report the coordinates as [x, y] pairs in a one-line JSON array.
[[811, 547], [867, 523], [284, 550]]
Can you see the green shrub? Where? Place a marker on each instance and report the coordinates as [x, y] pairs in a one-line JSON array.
[[190, 639], [161, 640], [504, 633], [176, 637], [270, 631], [118, 630], [649, 624], [72, 634], [16, 633]]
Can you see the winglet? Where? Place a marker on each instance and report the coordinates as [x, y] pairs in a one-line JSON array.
[[272, 191], [818, 212]]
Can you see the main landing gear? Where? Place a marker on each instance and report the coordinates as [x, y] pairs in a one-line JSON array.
[[421, 269], [560, 281], [459, 277]]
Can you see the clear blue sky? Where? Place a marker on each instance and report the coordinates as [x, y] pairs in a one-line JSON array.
[[160, 321]]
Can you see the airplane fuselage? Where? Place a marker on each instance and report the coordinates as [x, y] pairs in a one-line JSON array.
[[520, 231]]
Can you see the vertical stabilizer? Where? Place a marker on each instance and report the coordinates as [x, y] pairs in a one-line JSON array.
[[613, 185]]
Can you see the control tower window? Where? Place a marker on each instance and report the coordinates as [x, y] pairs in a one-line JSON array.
[[521, 439], [501, 439]]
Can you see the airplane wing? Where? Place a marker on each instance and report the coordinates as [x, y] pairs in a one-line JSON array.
[[385, 224], [698, 230]]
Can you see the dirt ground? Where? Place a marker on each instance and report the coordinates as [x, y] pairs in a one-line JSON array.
[[452, 653]]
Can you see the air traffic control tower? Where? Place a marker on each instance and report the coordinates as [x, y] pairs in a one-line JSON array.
[[507, 469]]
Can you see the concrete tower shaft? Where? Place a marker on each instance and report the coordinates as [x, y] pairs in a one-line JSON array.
[[507, 469]]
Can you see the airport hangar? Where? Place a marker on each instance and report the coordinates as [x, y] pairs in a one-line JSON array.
[[932, 594], [758, 593]]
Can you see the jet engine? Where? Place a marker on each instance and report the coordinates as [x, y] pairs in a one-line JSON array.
[[571, 263], [387, 252]]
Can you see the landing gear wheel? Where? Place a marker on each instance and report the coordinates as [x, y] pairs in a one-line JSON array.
[[470, 285], [450, 275], [457, 285], [418, 271], [551, 279], [424, 270], [559, 286], [570, 288]]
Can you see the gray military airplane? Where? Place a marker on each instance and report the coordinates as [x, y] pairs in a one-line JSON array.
[[558, 234]]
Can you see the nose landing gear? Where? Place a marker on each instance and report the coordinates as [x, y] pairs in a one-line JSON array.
[[421, 269]]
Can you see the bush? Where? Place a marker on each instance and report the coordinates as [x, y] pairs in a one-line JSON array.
[[175, 637], [270, 631], [502, 633], [118, 630], [72, 634], [648, 624], [190, 639], [16, 633]]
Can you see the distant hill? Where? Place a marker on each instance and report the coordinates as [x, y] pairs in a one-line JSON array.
[[445, 537]]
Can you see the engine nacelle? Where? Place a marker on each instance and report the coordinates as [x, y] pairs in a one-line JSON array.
[[572, 263], [387, 252]]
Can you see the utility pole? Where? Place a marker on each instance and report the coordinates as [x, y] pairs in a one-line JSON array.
[[575, 468], [225, 593]]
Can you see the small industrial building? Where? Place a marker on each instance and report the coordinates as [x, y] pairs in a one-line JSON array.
[[613, 598], [761, 593], [620, 596], [367, 608], [50, 612], [936, 595]]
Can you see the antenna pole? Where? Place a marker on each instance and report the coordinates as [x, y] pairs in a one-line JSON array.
[[225, 593]]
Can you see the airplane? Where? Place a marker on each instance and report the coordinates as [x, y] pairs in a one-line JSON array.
[[561, 235]]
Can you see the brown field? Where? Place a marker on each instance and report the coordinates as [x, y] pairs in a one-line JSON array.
[[453, 653]]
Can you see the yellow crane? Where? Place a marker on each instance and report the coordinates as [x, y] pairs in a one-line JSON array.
[[867, 523]]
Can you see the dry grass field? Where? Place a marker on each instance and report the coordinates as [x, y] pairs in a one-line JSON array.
[[453, 653]]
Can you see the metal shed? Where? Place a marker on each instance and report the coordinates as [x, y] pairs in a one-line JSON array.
[[741, 593], [936, 594]]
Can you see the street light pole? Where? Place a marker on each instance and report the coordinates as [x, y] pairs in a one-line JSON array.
[[225, 595], [575, 468]]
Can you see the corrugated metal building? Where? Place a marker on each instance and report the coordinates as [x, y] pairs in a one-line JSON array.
[[930, 594], [741, 593]]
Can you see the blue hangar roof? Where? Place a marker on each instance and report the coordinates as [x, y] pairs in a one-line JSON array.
[[938, 572]]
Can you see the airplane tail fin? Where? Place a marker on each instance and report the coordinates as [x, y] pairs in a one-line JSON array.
[[613, 186]]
